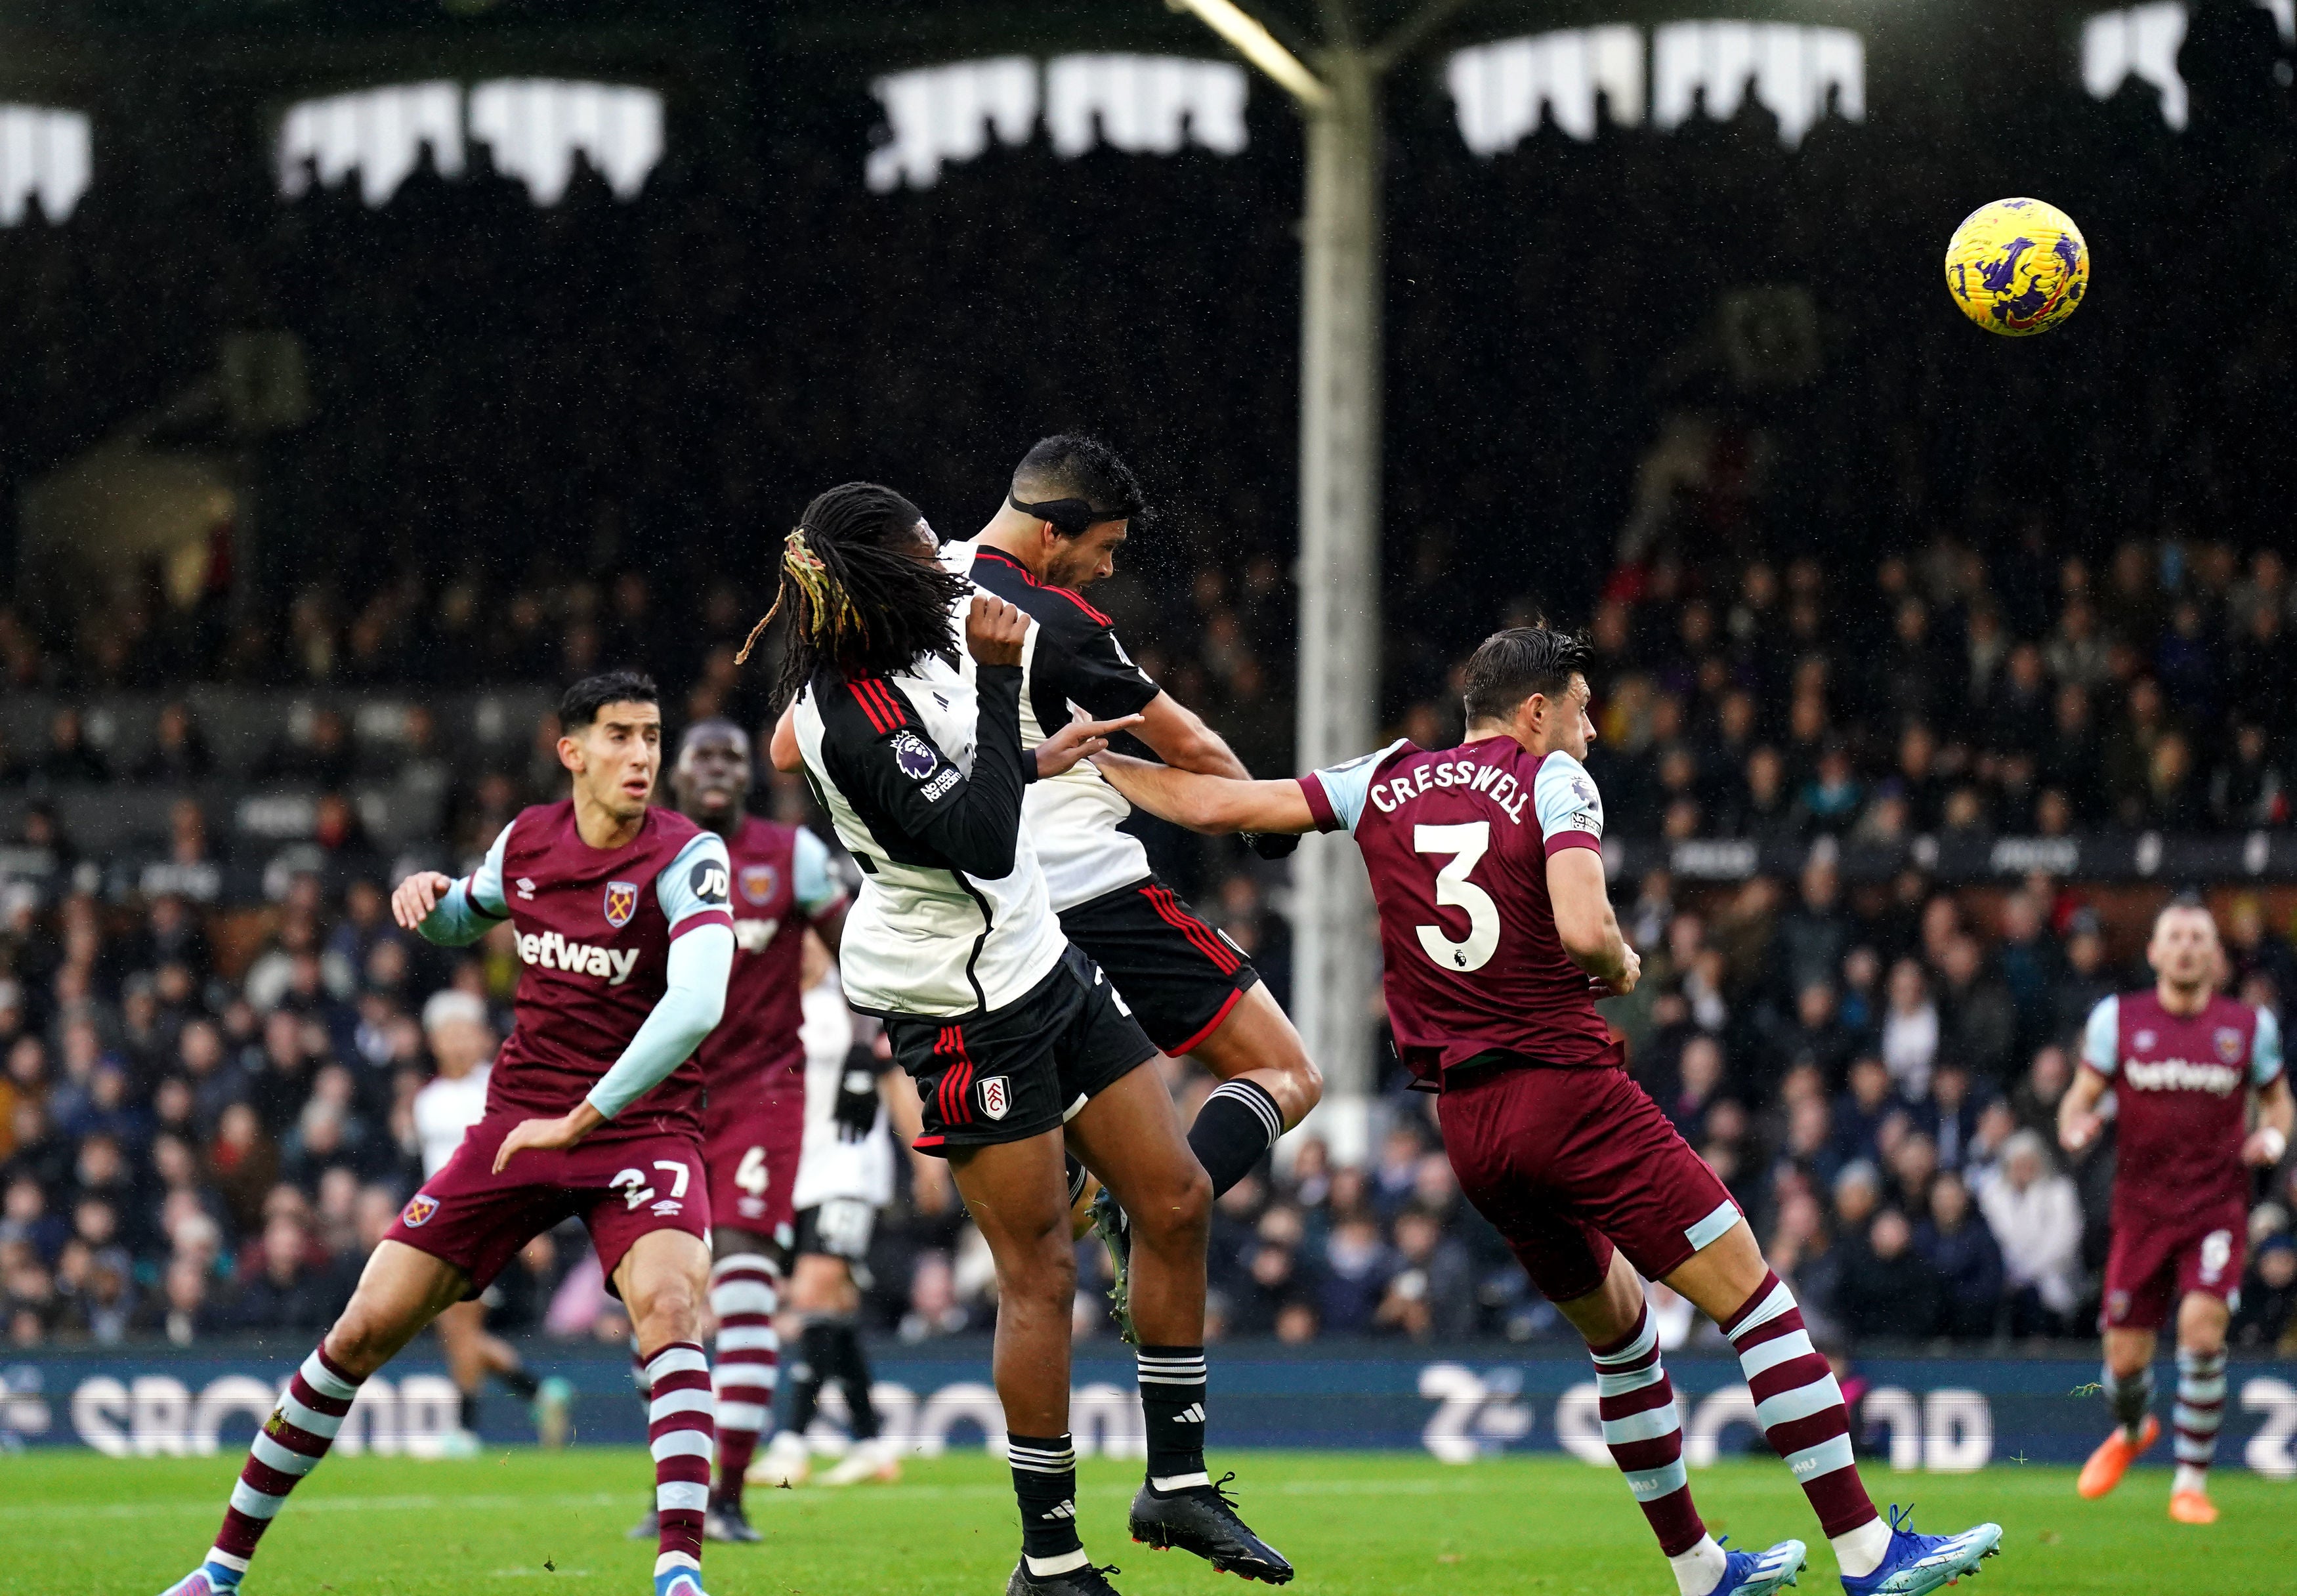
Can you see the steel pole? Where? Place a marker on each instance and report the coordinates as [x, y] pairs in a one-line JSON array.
[[1334, 961]]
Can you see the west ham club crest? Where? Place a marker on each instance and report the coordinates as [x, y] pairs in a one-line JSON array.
[[621, 903], [758, 883]]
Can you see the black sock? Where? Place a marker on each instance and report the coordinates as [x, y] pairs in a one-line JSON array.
[[853, 1380], [469, 1419], [2130, 1397], [1173, 1403], [1234, 1130], [801, 1381], [1044, 1482], [520, 1382], [1076, 1172]]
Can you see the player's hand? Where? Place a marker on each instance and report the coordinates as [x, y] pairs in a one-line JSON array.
[[855, 1112], [2076, 1130], [1079, 740], [1272, 844], [2264, 1148], [994, 630], [414, 899], [546, 1135], [1631, 970]]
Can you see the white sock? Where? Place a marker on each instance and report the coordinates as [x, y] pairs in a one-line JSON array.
[[1861, 1551], [2190, 1478], [1699, 1570], [674, 1559]]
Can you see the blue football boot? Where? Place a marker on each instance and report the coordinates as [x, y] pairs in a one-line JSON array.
[[680, 1581], [1760, 1573], [1916, 1564], [208, 1579]]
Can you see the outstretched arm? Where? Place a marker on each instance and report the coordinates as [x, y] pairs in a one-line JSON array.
[[2077, 1117], [1181, 738], [2276, 1109], [1214, 804], [1583, 922], [454, 914]]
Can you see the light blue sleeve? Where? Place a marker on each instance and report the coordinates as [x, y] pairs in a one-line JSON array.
[[1563, 796], [692, 1003], [2101, 1044], [2264, 1051], [701, 878], [817, 885], [473, 906], [1346, 788]]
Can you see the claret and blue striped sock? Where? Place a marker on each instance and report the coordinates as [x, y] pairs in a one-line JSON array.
[[289, 1447]]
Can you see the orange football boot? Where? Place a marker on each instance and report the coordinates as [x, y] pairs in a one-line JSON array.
[[2191, 1507], [2112, 1457]]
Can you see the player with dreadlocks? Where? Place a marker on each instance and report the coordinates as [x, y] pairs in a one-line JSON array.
[[1018, 1044]]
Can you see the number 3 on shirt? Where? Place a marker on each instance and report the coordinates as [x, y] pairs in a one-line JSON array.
[[1467, 844]]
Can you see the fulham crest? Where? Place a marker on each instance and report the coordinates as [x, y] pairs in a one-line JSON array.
[[996, 1100]]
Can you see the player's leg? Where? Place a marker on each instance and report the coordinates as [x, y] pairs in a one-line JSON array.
[[1596, 1288], [745, 1297], [1263, 1067], [1017, 1196], [401, 1291], [841, 1228], [662, 1277], [2128, 1379], [1800, 1408], [472, 1354], [1128, 1136], [817, 1295], [2202, 1321], [1643, 1428], [2140, 1288]]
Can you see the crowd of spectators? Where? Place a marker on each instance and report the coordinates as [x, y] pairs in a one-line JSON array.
[[617, 406]]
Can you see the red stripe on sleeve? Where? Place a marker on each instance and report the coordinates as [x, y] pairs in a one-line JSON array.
[[1572, 839], [698, 919], [895, 716], [861, 696]]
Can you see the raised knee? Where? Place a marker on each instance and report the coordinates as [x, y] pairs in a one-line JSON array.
[[1308, 1084]]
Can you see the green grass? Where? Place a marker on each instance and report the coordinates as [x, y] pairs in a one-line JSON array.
[[1357, 1524]]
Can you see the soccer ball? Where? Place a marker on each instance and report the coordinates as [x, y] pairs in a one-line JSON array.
[[2017, 267]]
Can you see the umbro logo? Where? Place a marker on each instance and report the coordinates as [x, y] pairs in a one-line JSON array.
[[526, 888], [1194, 1413], [1066, 1510]]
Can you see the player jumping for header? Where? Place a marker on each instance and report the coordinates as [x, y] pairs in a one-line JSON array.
[[2181, 1060], [1067, 511], [623, 929], [1497, 933], [1018, 1043]]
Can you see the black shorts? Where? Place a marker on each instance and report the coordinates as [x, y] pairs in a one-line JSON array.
[[1180, 975], [1024, 1069], [837, 1228]]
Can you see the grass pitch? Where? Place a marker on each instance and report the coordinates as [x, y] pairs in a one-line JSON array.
[[1356, 1525]]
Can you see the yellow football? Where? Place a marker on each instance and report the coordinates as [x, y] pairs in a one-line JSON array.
[[2018, 266]]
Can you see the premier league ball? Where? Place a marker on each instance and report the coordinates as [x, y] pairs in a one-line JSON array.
[[2017, 267]]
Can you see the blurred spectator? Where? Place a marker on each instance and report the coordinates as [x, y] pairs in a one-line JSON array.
[[2036, 1215], [1888, 1289], [1959, 1246]]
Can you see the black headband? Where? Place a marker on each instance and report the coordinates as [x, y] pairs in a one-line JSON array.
[[1071, 517]]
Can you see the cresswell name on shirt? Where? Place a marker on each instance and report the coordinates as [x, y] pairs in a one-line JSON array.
[[1510, 795], [2181, 1074], [552, 951]]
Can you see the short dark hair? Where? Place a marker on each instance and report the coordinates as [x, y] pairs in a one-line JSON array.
[[582, 702], [1510, 666], [1081, 475]]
